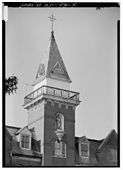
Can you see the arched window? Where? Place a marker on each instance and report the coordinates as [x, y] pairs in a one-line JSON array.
[[59, 122], [60, 149]]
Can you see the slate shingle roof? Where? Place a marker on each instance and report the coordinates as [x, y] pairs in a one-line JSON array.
[[48, 62], [110, 140], [12, 130]]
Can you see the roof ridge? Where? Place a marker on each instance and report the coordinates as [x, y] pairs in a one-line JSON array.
[[8, 126], [21, 129]]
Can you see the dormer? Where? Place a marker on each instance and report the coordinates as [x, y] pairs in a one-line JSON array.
[[24, 138], [84, 149]]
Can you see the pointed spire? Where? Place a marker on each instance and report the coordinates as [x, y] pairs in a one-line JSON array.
[[52, 66], [56, 67], [52, 36]]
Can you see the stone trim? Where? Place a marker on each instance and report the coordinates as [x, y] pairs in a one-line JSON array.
[[53, 98], [51, 101]]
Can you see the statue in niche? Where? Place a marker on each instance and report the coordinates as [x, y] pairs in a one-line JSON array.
[[60, 122]]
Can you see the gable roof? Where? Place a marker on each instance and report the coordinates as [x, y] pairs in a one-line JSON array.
[[83, 139], [52, 65], [22, 129], [110, 140]]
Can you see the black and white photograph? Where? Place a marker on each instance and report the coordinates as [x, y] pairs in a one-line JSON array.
[[61, 84]]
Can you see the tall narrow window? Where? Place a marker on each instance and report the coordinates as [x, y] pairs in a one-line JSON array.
[[59, 122], [60, 149], [63, 149], [25, 141], [84, 150], [57, 148]]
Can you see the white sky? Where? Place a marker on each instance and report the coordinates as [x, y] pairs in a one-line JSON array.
[[86, 38]]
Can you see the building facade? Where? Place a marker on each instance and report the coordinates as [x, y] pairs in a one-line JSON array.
[[49, 138]]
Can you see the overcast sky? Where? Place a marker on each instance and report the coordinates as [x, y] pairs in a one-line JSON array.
[[86, 38]]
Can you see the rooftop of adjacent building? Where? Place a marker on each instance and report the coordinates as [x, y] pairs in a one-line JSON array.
[[95, 145], [11, 133]]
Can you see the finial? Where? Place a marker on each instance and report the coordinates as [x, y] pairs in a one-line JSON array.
[[52, 19]]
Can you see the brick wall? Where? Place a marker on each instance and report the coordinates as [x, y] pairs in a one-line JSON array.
[[50, 136], [43, 117]]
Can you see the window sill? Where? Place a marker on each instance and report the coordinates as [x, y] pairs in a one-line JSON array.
[[25, 148], [86, 157], [61, 157]]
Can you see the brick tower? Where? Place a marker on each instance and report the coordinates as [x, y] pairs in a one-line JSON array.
[[51, 110]]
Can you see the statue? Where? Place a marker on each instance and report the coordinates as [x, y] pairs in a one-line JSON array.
[[59, 121]]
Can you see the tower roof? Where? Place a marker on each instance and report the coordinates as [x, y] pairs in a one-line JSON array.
[[52, 65]]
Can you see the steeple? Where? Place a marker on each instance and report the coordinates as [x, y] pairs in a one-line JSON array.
[[52, 65], [51, 109], [56, 68]]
